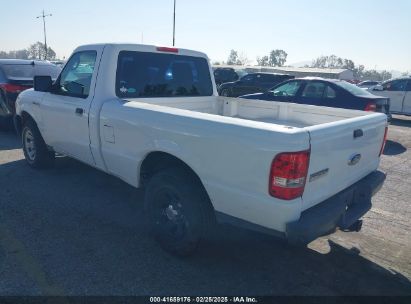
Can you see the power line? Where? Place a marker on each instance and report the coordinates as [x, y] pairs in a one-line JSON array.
[[43, 15]]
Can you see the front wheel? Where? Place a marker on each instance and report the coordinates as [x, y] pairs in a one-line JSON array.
[[35, 150], [179, 211]]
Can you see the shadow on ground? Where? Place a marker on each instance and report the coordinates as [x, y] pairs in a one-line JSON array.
[[84, 232], [9, 140], [393, 148], [401, 121]]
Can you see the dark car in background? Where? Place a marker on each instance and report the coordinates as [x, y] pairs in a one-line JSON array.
[[16, 75], [222, 75], [252, 83], [325, 92]]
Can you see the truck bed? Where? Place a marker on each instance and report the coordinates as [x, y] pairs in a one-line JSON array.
[[330, 132], [279, 113]]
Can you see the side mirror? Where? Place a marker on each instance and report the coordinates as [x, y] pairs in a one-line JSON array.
[[378, 87], [42, 83]]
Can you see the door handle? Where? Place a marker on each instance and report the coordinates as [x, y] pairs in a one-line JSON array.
[[36, 103], [79, 111]]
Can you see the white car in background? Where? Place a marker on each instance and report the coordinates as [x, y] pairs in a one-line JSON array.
[[368, 84], [399, 92]]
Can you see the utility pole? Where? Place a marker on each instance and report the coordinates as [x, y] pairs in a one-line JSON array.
[[174, 23], [44, 28]]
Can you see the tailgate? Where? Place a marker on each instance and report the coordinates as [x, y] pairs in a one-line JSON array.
[[342, 153]]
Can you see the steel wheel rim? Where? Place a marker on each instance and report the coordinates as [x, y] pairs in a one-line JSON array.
[[29, 145], [170, 220]]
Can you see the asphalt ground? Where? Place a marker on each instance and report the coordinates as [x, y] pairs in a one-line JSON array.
[[73, 230]]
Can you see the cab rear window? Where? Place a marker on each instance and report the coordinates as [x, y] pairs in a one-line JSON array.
[[145, 74]]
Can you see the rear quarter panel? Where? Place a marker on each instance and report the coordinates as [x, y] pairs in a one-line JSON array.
[[231, 156]]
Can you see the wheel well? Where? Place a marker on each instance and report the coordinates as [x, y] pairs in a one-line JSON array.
[[25, 117], [156, 161], [20, 120]]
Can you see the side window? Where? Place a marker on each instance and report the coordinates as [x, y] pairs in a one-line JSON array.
[[75, 79], [270, 78], [287, 89], [329, 93], [248, 78], [314, 89], [395, 85], [408, 88]]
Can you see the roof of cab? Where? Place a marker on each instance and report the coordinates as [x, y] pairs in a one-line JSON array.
[[24, 61], [140, 47]]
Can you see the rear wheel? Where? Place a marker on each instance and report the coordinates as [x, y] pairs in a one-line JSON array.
[[35, 150], [179, 211]]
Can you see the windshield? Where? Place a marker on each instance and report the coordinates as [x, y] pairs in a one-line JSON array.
[[353, 89], [29, 70]]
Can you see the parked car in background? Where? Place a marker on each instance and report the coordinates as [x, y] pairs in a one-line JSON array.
[[398, 90], [252, 83], [222, 75], [325, 92], [367, 84], [16, 76], [59, 63]]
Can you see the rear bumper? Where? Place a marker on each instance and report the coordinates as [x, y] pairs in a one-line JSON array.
[[340, 211]]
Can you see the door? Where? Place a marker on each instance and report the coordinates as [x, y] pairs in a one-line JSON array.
[[407, 98], [65, 110], [395, 90], [245, 85], [285, 92], [313, 93]]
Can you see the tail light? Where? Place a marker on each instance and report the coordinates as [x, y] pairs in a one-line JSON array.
[[371, 106], [288, 174], [12, 88], [167, 49], [384, 140]]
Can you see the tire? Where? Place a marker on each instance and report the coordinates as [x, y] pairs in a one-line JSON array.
[[225, 92], [35, 150], [179, 211]]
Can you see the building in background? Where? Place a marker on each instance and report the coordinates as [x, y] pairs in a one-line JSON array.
[[343, 74]]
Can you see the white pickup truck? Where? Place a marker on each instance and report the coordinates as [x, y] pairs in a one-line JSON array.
[[152, 117]]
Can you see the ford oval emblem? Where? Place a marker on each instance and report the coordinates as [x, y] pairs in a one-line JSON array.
[[354, 159]]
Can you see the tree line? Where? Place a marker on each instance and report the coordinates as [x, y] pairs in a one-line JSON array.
[[35, 51], [278, 58], [360, 72]]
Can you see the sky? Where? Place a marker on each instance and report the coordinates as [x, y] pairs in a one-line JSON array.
[[375, 33]]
